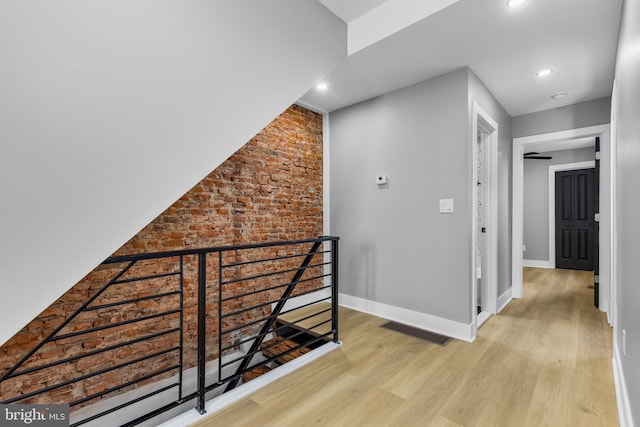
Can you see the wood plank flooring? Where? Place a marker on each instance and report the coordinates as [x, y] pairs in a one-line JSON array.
[[544, 361]]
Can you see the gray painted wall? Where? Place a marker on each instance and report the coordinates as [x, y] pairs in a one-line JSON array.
[[627, 111], [588, 113], [396, 248], [478, 92], [536, 199]]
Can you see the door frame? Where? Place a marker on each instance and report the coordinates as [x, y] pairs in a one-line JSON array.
[[590, 164], [562, 140], [611, 165], [490, 286]]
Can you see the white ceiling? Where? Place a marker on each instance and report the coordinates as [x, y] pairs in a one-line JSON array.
[[349, 10], [504, 47]]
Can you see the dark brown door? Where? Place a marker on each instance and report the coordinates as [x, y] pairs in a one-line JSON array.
[[575, 219]]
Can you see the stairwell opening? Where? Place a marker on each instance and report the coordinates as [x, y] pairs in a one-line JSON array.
[[269, 190]]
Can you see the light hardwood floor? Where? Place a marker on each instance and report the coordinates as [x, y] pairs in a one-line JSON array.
[[544, 361]]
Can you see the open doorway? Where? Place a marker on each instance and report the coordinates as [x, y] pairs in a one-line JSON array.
[[558, 141], [485, 215], [539, 198]]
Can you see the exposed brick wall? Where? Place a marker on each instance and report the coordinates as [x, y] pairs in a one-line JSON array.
[[269, 190]]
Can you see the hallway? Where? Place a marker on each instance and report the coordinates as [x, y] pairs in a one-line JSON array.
[[544, 361]]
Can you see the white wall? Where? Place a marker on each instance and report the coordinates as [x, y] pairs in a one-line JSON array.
[[626, 104], [110, 111], [536, 199]]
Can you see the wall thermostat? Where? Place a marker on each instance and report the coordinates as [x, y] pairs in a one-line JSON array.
[[381, 179]]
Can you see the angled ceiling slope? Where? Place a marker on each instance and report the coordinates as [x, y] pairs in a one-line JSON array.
[[110, 111]]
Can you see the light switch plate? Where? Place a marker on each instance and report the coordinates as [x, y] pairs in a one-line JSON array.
[[446, 205]]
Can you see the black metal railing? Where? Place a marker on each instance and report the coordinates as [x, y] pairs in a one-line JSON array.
[[155, 325]]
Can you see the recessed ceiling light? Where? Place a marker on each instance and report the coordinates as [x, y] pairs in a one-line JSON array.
[[545, 72], [321, 86], [558, 96], [515, 3]]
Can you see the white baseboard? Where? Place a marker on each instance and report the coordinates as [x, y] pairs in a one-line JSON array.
[[537, 263], [450, 328], [622, 397], [504, 299]]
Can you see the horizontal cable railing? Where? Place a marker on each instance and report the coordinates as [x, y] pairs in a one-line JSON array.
[[155, 326]]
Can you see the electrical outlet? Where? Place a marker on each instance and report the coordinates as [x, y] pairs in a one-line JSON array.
[[624, 342], [524, 248]]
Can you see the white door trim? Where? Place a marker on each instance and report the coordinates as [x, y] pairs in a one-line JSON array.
[[552, 201], [613, 256], [519, 145], [490, 301]]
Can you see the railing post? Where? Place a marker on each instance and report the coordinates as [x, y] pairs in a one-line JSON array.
[[219, 334], [181, 374], [334, 289], [202, 318]]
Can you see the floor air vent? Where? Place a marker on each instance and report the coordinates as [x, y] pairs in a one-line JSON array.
[[418, 333]]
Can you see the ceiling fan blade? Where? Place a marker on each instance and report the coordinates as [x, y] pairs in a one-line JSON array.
[[531, 153], [539, 157]]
